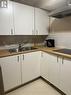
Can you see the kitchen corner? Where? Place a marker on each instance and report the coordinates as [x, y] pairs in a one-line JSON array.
[[35, 47]]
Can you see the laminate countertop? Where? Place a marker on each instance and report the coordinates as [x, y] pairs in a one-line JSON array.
[[52, 51], [6, 53]]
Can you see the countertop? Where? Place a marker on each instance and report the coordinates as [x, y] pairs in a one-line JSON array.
[[51, 51], [5, 53]]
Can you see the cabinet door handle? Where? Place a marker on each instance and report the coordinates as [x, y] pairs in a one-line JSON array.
[[36, 32], [62, 60], [42, 54], [23, 57], [57, 59], [18, 58], [11, 31], [33, 32]]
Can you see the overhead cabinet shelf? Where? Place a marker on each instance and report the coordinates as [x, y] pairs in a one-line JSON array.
[[20, 19]]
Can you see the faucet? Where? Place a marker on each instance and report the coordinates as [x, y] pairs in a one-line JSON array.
[[20, 47]]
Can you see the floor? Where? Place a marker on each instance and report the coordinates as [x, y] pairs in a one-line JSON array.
[[38, 87]]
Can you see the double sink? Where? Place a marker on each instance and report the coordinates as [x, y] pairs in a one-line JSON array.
[[22, 49]]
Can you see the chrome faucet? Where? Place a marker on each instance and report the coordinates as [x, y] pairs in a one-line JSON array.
[[20, 47]]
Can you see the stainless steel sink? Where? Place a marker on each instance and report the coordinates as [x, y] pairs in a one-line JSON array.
[[28, 48], [65, 51], [22, 49]]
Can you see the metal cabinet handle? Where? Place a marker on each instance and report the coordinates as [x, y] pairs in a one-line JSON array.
[[62, 60], [11, 31], [23, 57], [36, 32], [57, 59], [18, 58], [33, 33], [42, 54]]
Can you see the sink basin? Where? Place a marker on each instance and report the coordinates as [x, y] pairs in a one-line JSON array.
[[22, 49], [65, 51], [28, 48]]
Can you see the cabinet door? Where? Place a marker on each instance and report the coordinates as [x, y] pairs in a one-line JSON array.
[[6, 20], [11, 72], [41, 22], [30, 66], [23, 19], [44, 65], [53, 70], [65, 77]]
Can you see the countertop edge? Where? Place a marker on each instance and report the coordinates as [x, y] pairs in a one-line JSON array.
[[5, 53]]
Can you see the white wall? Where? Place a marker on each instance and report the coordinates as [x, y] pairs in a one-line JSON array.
[[60, 30]]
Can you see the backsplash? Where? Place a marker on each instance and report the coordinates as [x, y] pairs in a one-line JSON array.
[[60, 30], [13, 41]]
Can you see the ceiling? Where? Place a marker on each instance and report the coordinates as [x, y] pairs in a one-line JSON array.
[[29, 2], [45, 4]]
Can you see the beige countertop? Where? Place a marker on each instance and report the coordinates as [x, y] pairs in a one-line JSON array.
[[51, 50], [5, 53]]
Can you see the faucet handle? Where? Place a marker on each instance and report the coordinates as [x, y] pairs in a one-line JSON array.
[[20, 47]]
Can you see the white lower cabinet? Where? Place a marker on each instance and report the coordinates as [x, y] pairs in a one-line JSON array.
[[53, 70], [10, 71], [22, 68], [65, 76], [50, 68], [44, 65], [19, 69], [30, 66], [56, 70]]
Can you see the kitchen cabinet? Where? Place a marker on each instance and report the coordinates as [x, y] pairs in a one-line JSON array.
[[6, 20], [19, 69], [50, 68], [53, 70], [56, 70], [65, 75], [23, 19], [20, 19], [41, 22], [44, 65], [29, 20], [30, 66], [11, 71]]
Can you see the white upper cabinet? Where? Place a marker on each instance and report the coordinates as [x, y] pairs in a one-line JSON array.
[[41, 22], [6, 20], [20, 19], [23, 19]]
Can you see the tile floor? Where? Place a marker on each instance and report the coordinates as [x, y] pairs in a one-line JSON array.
[[38, 87]]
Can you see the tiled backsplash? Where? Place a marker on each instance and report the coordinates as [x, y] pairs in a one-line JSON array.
[[8, 40], [60, 30]]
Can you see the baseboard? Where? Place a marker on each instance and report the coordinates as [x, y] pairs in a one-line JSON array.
[[57, 89], [40, 77], [22, 85]]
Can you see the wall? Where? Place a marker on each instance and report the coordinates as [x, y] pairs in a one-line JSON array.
[[6, 41], [60, 30]]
